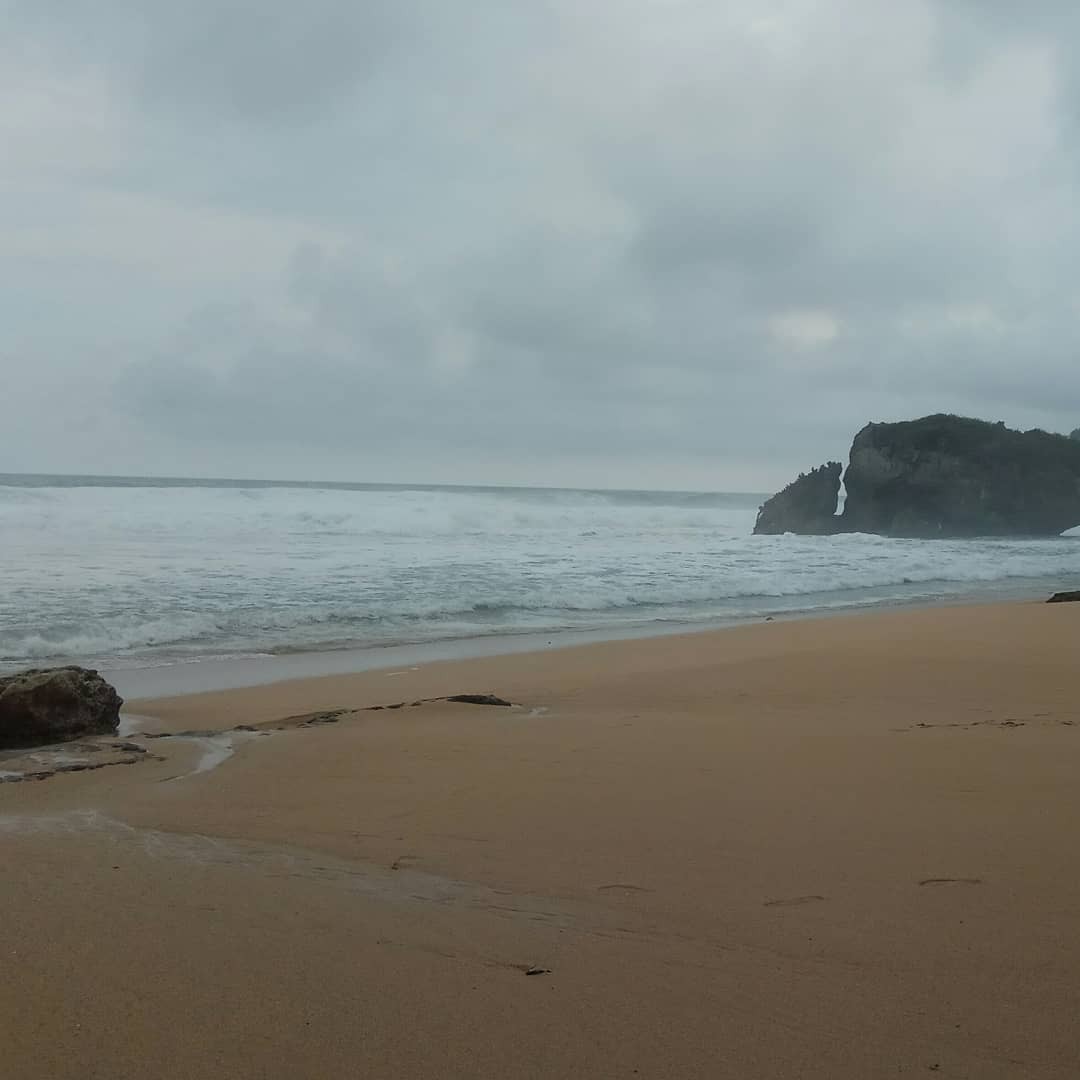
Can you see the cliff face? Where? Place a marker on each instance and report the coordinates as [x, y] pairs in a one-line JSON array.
[[806, 505], [950, 476], [941, 476]]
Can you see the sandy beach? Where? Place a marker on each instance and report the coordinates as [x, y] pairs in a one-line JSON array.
[[835, 848]]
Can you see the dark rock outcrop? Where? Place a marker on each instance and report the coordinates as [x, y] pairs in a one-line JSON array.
[[807, 505], [48, 705], [1072, 597], [948, 476], [951, 476]]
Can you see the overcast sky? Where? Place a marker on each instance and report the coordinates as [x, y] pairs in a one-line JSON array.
[[651, 243]]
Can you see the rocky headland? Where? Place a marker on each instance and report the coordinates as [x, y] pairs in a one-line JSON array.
[[54, 705], [939, 476]]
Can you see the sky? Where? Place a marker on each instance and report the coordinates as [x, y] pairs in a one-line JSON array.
[[632, 243]]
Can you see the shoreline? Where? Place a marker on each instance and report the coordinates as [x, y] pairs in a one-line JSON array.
[[511, 673], [175, 678], [828, 848]]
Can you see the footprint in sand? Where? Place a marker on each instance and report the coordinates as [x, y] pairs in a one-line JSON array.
[[794, 901], [951, 881]]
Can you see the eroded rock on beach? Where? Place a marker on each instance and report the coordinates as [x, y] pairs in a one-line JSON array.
[[50, 705], [59, 759]]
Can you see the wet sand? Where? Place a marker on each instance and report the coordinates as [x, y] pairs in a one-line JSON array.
[[832, 848]]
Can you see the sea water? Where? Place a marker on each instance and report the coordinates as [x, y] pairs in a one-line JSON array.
[[127, 572]]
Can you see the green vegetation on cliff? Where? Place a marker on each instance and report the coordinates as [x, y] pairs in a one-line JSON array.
[[809, 500]]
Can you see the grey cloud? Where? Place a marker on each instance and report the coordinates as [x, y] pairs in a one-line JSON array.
[[262, 61], [564, 242], [258, 62]]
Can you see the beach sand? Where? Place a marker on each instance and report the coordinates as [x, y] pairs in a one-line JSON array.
[[838, 848]]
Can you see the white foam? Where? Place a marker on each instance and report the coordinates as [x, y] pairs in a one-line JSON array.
[[130, 724], [216, 749], [149, 575]]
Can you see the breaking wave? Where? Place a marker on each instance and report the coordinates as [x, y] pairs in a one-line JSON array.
[[180, 570]]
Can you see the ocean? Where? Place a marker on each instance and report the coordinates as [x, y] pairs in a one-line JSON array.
[[123, 572]]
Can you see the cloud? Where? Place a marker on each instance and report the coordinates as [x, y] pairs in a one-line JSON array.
[[805, 328], [231, 59], [679, 244]]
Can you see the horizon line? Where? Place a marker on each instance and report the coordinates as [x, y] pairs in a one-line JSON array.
[[237, 481]]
